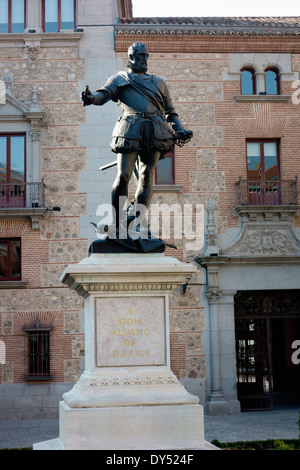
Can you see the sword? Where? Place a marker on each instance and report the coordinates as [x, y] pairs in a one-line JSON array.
[[109, 165]]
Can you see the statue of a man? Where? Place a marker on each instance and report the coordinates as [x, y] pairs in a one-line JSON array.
[[145, 132]]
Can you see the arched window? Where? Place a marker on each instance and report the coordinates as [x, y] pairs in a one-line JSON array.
[[272, 81], [248, 85]]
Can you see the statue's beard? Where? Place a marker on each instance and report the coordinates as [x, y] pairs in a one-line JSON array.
[[137, 68]]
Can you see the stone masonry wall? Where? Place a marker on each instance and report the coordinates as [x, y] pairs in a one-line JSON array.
[[55, 71], [206, 170], [209, 167]]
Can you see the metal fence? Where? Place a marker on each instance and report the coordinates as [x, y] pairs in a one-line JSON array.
[[259, 192], [22, 195]]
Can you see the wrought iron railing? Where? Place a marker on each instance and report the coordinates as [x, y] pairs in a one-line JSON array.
[[260, 193], [22, 195]]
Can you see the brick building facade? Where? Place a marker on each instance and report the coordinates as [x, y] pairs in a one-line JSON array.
[[237, 175]]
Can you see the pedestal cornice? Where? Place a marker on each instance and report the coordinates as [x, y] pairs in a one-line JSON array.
[[109, 273]]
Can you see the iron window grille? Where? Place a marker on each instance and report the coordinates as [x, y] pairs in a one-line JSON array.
[[38, 351]]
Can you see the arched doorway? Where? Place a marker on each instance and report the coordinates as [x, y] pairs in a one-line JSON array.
[[267, 323]]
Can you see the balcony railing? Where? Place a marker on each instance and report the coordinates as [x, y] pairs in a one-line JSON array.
[[22, 195], [267, 193]]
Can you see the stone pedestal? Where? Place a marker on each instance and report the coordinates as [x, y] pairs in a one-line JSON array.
[[127, 398]]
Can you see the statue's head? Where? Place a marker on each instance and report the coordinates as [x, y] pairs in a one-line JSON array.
[[138, 56]]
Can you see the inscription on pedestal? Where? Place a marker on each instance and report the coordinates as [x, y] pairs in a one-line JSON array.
[[130, 331]]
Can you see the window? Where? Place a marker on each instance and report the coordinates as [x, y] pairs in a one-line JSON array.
[[12, 170], [263, 172], [165, 172], [38, 351], [10, 259], [12, 16], [21, 185], [58, 14], [272, 81], [248, 85]]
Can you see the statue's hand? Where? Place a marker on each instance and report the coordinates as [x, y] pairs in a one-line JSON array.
[[87, 97], [183, 136]]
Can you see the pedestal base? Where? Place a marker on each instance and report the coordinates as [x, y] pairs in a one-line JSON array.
[[130, 428], [128, 398]]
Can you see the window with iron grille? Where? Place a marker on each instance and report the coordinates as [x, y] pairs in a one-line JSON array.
[[58, 14], [165, 169], [38, 351], [12, 16], [10, 259]]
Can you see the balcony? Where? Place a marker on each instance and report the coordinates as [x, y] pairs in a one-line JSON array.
[[21, 195], [23, 200], [267, 193]]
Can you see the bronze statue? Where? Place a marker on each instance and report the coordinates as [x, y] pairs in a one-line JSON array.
[[146, 131]]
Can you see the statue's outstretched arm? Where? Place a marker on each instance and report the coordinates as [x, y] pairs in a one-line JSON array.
[[98, 98]]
